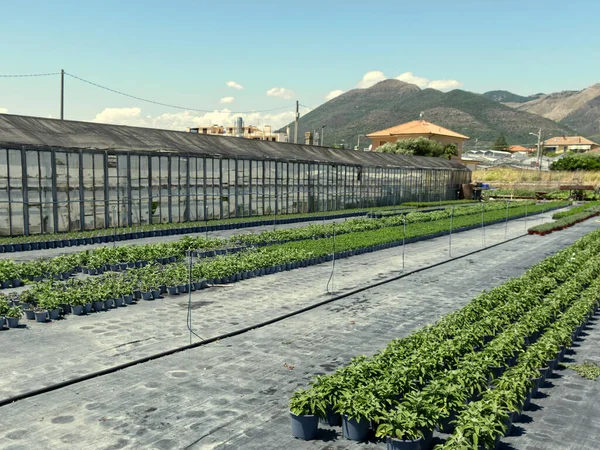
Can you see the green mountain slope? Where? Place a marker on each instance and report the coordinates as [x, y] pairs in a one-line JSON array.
[[508, 97], [392, 102]]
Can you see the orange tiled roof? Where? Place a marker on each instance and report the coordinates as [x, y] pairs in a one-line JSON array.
[[417, 127], [518, 148], [569, 140]]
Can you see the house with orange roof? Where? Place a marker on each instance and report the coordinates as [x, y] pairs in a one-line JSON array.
[[520, 149], [577, 144], [415, 129]]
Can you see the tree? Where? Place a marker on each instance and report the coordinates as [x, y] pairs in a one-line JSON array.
[[417, 146], [450, 150], [500, 143]]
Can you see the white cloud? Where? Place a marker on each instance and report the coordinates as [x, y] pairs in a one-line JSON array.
[[181, 120], [444, 85], [334, 94], [281, 92], [234, 85], [227, 100], [422, 82], [370, 79], [3, 111], [409, 77]]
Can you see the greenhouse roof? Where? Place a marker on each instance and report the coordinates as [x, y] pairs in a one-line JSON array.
[[36, 132]]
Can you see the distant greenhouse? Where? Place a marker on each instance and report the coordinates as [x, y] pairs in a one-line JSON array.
[[58, 176]]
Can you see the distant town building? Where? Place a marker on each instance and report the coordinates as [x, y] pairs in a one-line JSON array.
[[521, 149], [562, 144], [415, 129], [240, 130]]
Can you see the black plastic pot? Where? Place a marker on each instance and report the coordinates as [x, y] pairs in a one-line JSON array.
[[54, 314], [183, 288], [137, 294], [119, 301], [77, 310], [87, 308], [98, 306], [397, 444], [304, 427], [331, 418], [29, 315], [128, 299], [12, 322], [147, 295], [108, 304], [41, 316], [172, 290], [155, 294], [355, 430]]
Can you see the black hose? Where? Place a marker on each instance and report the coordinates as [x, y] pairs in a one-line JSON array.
[[234, 333]]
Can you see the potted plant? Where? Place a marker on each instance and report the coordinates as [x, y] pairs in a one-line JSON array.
[[357, 407], [401, 429], [12, 316], [41, 314], [305, 407]]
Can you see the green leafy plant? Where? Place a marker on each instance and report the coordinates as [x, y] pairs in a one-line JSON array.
[[588, 370]]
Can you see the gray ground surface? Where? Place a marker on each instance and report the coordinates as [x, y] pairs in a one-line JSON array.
[[233, 393]]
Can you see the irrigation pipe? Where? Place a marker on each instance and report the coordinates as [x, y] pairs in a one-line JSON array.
[[114, 369]]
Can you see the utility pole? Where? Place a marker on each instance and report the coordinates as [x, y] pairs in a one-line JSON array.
[[539, 148], [296, 126], [322, 135], [62, 94]]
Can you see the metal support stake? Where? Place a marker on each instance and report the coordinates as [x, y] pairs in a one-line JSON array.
[[450, 235], [114, 227], [403, 239], [506, 221], [526, 206], [482, 227]]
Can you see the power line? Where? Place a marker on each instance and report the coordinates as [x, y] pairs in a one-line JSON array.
[[167, 104], [30, 75]]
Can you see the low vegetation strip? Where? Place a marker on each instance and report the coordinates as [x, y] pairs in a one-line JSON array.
[[83, 295], [123, 257], [478, 366], [577, 209], [432, 204], [565, 222]]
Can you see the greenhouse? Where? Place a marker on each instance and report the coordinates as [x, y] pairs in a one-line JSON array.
[[58, 176]]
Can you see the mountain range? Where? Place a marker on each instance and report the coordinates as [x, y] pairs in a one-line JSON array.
[[482, 117]]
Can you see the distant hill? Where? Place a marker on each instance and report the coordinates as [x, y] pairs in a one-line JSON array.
[[579, 110], [392, 102], [508, 97]]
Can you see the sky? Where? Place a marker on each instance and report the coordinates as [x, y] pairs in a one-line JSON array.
[[217, 59]]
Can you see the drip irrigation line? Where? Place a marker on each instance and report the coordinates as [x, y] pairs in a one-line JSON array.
[[238, 332]]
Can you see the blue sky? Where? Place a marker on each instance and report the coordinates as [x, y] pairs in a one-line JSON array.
[[184, 53]]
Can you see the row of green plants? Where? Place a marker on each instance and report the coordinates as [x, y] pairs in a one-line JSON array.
[[423, 380], [125, 255], [434, 203], [482, 423], [565, 222], [184, 225], [157, 279], [577, 209]]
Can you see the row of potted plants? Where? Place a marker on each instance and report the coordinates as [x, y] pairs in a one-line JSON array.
[[154, 279], [74, 238], [576, 210], [120, 258], [484, 422], [425, 352]]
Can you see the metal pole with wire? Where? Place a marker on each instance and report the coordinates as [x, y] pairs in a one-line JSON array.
[[331, 277], [114, 227], [506, 221], [482, 226], [403, 239], [450, 235], [190, 257], [526, 206]]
